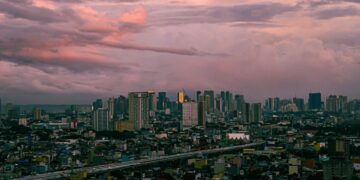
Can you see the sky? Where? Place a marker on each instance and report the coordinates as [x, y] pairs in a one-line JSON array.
[[74, 51]]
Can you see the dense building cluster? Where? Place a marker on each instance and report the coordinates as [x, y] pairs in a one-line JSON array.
[[297, 139]]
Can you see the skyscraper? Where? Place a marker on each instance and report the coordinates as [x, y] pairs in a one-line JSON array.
[[245, 115], [161, 105], [218, 104], [101, 120], [121, 107], [203, 109], [342, 104], [331, 103], [139, 109], [97, 104], [336, 103], [198, 94], [37, 114], [339, 166], [181, 97], [300, 104], [240, 102], [111, 105], [189, 114], [314, 101], [152, 103], [256, 112], [211, 95], [272, 104]]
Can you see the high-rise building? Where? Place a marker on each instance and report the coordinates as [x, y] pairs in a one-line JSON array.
[[198, 94], [218, 104], [339, 166], [353, 107], [331, 103], [97, 104], [272, 104], [256, 112], [152, 103], [342, 104], [245, 115], [101, 120], [314, 101], [181, 97], [189, 114], [139, 109], [111, 106], [121, 107], [12, 111], [240, 102], [161, 105], [211, 95], [300, 104], [203, 109], [37, 114], [336, 103]]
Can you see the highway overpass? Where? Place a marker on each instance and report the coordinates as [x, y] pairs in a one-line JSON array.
[[124, 165]]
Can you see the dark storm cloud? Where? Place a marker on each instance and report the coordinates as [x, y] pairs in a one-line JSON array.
[[24, 10], [335, 12], [225, 14]]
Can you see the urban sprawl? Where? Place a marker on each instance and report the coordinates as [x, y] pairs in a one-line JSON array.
[[145, 135]]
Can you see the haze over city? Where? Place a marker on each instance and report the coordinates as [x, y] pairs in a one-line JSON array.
[[72, 51]]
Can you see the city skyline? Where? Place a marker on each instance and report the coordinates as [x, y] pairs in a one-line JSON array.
[[72, 51]]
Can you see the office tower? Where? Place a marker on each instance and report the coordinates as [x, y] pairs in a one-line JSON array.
[[72, 112], [121, 107], [13, 112], [210, 93], [227, 101], [203, 109], [331, 103], [152, 103], [198, 94], [342, 102], [240, 102], [101, 120], [111, 107], [223, 99], [189, 114], [353, 107], [218, 104], [246, 113], [314, 101], [300, 104], [285, 102], [37, 114], [97, 104], [272, 104], [139, 109], [336, 104], [256, 112], [181, 97], [161, 105], [339, 166]]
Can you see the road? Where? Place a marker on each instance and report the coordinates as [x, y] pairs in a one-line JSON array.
[[135, 163]]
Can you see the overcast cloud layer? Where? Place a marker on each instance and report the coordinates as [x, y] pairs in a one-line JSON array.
[[73, 51]]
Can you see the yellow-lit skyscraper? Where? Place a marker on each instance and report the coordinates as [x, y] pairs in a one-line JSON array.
[[181, 97]]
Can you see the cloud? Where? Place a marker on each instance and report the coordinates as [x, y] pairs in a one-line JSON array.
[[224, 14], [336, 12], [84, 50]]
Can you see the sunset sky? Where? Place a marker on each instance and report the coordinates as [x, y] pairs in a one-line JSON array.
[[73, 51]]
